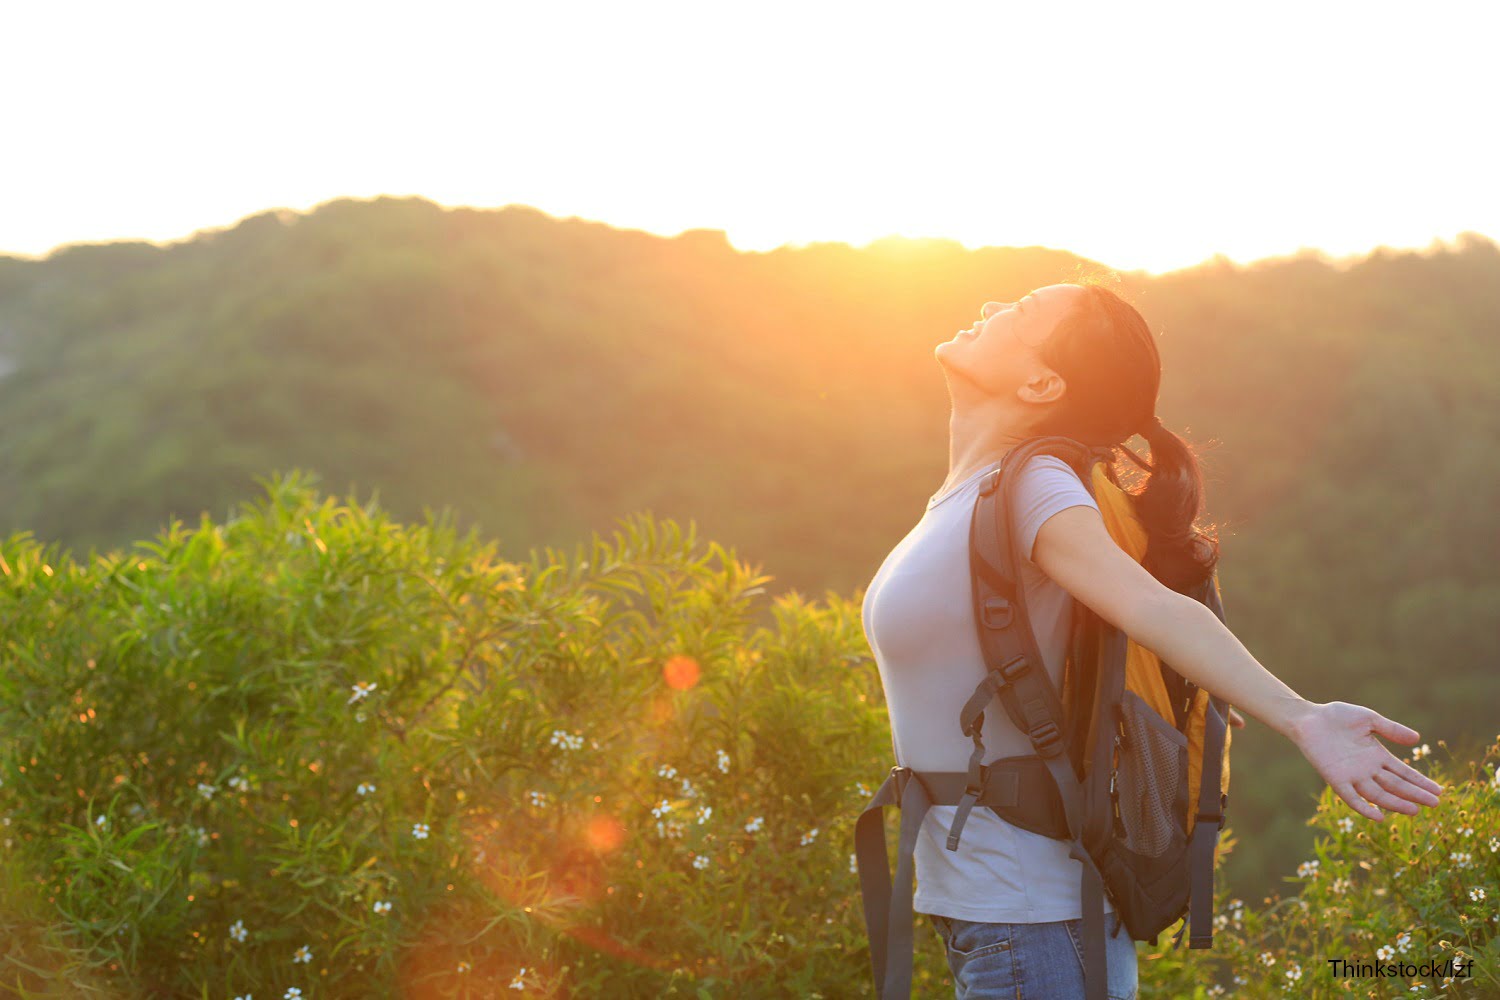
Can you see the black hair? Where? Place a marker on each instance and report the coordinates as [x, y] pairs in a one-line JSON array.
[[1107, 355]]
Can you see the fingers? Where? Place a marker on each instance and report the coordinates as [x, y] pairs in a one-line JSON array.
[[1372, 791], [1395, 731], [1356, 802], [1402, 788], [1404, 770], [1236, 719]]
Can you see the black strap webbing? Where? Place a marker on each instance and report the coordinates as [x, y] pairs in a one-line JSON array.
[[1018, 789], [1209, 821], [1206, 827]]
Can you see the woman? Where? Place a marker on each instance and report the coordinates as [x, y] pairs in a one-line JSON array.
[[1073, 360]]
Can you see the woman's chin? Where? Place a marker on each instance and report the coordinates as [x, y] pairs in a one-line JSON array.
[[947, 357]]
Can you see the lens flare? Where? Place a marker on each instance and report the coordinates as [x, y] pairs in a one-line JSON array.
[[680, 672]]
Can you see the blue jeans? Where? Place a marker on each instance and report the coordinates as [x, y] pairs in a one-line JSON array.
[[1031, 961]]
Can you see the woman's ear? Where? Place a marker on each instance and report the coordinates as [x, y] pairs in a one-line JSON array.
[[1042, 387]]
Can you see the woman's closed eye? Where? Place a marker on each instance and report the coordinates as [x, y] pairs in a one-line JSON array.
[[985, 312]]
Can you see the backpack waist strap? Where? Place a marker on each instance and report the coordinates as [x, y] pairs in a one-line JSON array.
[[1018, 789]]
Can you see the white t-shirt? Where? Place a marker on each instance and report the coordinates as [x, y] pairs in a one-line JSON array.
[[919, 621]]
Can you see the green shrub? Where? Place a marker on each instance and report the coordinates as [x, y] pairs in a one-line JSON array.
[[590, 770], [1408, 889], [310, 732]]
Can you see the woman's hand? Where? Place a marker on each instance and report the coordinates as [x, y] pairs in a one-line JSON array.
[[1339, 740]]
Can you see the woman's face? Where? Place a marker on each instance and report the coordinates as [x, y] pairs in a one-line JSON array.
[[1000, 352]]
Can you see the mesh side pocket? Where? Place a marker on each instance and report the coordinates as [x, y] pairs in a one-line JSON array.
[[1153, 769]]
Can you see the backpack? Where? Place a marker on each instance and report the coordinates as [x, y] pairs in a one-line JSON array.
[[1131, 762]]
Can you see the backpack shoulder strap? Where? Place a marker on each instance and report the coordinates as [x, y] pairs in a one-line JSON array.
[[1000, 612], [1016, 673]]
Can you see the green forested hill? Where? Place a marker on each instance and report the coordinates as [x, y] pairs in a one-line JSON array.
[[542, 377]]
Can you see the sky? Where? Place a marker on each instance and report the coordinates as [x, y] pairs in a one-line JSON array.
[[1143, 135]]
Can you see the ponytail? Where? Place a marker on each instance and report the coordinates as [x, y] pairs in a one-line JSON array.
[[1177, 552]]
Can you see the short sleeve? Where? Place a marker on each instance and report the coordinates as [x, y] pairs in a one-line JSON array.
[[1048, 485]]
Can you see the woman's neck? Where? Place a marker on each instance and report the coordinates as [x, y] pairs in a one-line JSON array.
[[972, 447]]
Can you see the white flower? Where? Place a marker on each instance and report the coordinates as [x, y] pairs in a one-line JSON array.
[[861, 789], [561, 738], [360, 716], [382, 906], [247, 996], [518, 983], [704, 812], [1221, 921], [666, 771], [1216, 990], [1461, 858], [1294, 972], [538, 799], [102, 822], [1384, 952], [1476, 894], [809, 836], [207, 791], [1346, 823], [661, 809], [239, 784], [237, 931], [1418, 753], [1494, 844], [1307, 869], [1267, 959], [292, 993], [755, 824], [361, 690], [688, 790], [303, 954], [464, 966], [419, 830], [671, 828], [1403, 942], [202, 836], [1340, 885], [854, 863], [1466, 831], [700, 862], [365, 788], [723, 759]]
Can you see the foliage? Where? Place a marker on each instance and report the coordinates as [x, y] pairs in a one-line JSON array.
[[242, 740], [442, 773], [1403, 892]]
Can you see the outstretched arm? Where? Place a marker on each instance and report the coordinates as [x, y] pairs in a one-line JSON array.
[[1339, 739]]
